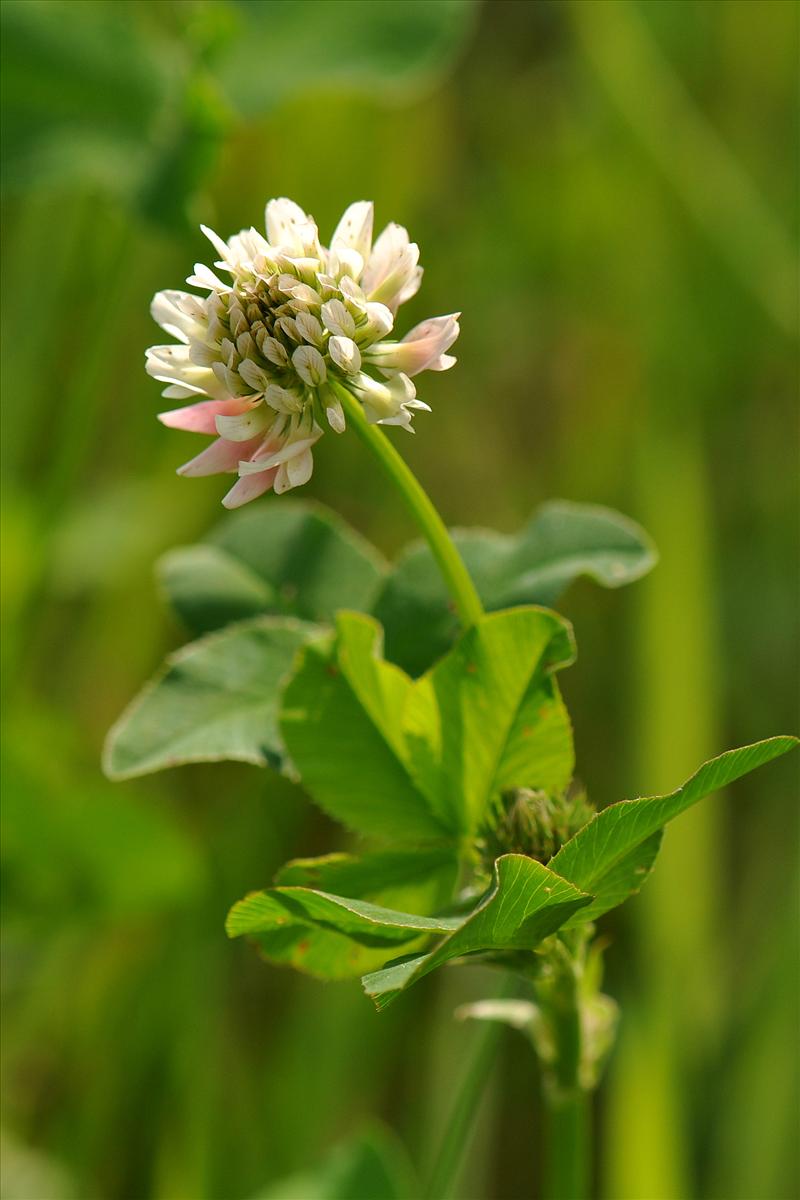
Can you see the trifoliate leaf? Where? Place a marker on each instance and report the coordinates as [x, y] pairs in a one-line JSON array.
[[217, 698], [561, 542], [422, 760], [291, 558]]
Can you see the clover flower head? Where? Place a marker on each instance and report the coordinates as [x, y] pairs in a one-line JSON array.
[[264, 354]]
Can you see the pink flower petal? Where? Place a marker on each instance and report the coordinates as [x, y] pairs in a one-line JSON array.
[[220, 456], [201, 417], [249, 488]]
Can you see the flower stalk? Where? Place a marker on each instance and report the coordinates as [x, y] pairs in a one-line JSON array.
[[462, 589]]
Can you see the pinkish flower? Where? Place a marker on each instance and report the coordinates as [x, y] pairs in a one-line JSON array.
[[258, 355]]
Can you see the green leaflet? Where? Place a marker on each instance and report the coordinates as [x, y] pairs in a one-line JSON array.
[[416, 882], [318, 931], [611, 855], [561, 542], [322, 933], [209, 588], [217, 698], [378, 875], [526, 903], [292, 558], [373, 1165], [421, 760]]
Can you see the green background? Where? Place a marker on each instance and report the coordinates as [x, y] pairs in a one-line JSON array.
[[608, 191]]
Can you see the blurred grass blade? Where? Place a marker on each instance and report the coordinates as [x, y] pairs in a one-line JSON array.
[[706, 174]]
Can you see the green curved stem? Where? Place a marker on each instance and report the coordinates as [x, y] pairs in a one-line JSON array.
[[462, 589], [568, 1132]]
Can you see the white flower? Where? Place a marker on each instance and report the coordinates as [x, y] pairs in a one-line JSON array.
[[261, 355]]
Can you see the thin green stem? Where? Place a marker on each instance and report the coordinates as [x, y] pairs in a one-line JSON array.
[[462, 589], [566, 1102], [568, 1129], [444, 1173]]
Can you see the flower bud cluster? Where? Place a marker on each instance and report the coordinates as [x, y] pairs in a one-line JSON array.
[[532, 822]]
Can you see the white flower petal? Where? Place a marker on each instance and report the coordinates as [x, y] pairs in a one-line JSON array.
[[353, 294], [289, 228], [410, 288], [345, 262], [391, 244], [273, 350], [299, 469], [245, 345], [354, 231], [201, 416], [201, 354], [219, 457], [337, 319], [288, 326], [401, 280], [310, 365], [167, 312], [282, 400], [248, 489], [310, 328], [304, 298], [171, 364], [177, 391], [335, 414], [383, 400], [403, 419], [219, 245], [204, 277], [243, 426], [289, 450], [254, 375], [378, 321], [420, 350], [345, 354]]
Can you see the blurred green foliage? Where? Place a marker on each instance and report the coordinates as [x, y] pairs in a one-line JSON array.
[[608, 192]]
